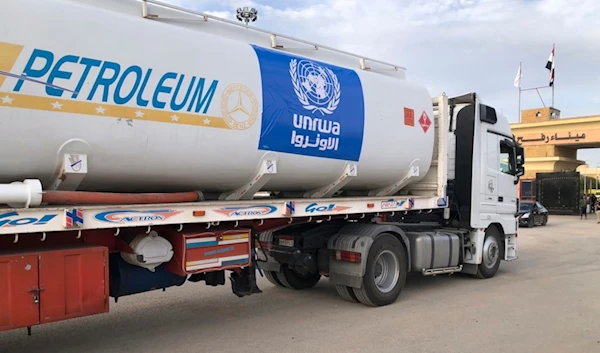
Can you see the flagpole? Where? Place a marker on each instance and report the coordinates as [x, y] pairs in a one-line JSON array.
[[554, 76], [517, 83], [520, 73]]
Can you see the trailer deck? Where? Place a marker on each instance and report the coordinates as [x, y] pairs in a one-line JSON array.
[[208, 213]]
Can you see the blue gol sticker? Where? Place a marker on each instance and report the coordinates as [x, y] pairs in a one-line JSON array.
[[310, 108]]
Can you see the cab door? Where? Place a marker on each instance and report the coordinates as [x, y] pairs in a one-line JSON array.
[[489, 182], [507, 177]]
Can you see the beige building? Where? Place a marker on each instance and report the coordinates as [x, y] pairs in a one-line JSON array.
[[551, 142]]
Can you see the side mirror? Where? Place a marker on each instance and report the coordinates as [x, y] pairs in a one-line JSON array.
[[520, 156], [520, 152]]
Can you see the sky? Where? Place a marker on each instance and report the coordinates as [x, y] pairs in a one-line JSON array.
[[456, 46]]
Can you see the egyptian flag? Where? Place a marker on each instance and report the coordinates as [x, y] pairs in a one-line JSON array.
[[550, 66]]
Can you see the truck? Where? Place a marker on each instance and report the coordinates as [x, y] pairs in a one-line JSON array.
[[147, 145]]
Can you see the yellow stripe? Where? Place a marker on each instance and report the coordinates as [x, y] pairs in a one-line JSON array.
[[235, 236], [202, 262], [9, 53], [16, 100]]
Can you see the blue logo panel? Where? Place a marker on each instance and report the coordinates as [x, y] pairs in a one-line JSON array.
[[310, 108]]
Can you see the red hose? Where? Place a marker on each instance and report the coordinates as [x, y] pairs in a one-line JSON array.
[[107, 198]]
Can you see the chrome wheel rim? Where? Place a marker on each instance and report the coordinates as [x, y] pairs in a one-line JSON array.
[[491, 252], [387, 271]]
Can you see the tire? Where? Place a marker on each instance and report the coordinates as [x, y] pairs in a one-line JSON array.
[[347, 293], [385, 274], [545, 221], [492, 254], [530, 222], [293, 280], [272, 277]]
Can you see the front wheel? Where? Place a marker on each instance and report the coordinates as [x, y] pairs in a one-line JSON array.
[[545, 221], [530, 222], [492, 254], [385, 274]]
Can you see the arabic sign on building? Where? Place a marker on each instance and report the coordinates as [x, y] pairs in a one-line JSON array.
[[560, 138]]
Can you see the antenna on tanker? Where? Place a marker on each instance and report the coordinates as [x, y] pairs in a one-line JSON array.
[[247, 14]]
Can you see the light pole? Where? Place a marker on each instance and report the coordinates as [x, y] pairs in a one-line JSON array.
[[246, 14], [586, 171], [597, 165]]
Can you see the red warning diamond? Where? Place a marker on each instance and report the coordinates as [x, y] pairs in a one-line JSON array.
[[425, 122]]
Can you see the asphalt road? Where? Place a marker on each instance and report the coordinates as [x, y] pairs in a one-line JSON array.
[[547, 301]]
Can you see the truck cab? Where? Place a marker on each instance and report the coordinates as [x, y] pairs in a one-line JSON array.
[[484, 166], [478, 164]]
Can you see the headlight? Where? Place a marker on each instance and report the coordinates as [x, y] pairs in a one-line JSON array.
[[526, 215]]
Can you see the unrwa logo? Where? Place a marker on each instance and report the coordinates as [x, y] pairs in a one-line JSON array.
[[316, 87]]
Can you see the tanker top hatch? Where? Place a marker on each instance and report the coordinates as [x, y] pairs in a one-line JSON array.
[[242, 31]]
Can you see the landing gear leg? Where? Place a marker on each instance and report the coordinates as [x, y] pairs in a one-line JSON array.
[[245, 283]]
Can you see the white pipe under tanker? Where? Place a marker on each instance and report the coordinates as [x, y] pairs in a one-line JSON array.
[[21, 194]]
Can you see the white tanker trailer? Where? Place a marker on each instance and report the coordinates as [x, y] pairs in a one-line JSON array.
[[104, 102], [176, 117]]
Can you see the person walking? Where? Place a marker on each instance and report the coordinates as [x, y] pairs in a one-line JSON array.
[[583, 204], [597, 210]]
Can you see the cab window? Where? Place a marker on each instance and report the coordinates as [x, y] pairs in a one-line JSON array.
[[507, 159]]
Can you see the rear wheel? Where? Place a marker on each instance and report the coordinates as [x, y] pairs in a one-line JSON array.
[[347, 293], [545, 221], [272, 277], [492, 254], [291, 279], [385, 274]]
